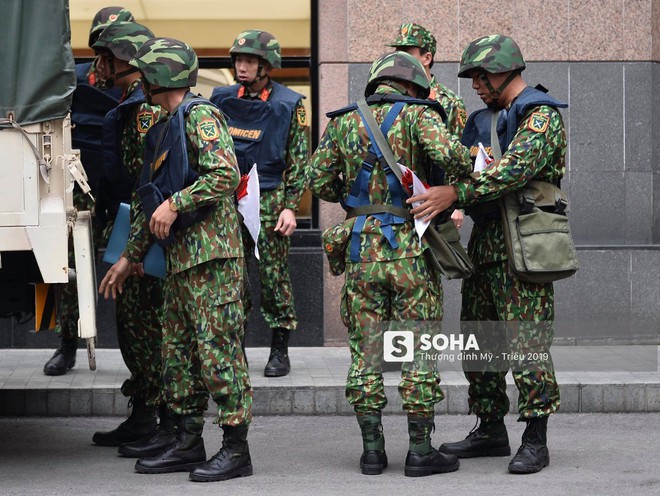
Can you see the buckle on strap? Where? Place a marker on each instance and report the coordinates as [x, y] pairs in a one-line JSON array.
[[526, 204]]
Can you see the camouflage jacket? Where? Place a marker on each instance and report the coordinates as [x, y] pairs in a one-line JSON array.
[[418, 136], [532, 155], [453, 105], [211, 154]]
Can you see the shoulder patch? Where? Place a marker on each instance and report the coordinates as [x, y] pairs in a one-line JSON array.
[[145, 120], [208, 129], [302, 116], [461, 117], [538, 122]]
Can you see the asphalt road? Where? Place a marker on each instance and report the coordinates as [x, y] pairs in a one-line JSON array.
[[590, 454]]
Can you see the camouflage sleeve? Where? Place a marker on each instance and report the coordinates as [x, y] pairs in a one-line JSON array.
[[537, 151], [297, 158], [211, 154], [140, 237], [443, 148], [456, 117], [325, 169]]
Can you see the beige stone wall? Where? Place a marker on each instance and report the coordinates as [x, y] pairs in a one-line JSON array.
[[547, 30]]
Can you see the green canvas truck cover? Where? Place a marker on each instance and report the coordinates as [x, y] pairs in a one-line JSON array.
[[38, 69]]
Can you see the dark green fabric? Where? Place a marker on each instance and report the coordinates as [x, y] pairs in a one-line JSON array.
[[38, 68]]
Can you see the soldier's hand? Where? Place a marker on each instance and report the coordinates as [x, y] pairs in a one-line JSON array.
[[457, 216], [434, 200], [113, 282], [162, 220], [286, 223]]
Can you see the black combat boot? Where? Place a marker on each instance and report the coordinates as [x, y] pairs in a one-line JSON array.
[[423, 459], [183, 454], [533, 454], [141, 423], [157, 442], [374, 458], [489, 439], [233, 459], [64, 358], [278, 361]]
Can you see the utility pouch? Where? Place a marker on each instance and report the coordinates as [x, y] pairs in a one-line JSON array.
[[445, 252], [335, 242], [538, 238]]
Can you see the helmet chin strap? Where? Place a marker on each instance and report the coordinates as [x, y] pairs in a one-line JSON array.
[[496, 93]]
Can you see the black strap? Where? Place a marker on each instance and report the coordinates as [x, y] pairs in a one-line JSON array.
[[378, 209]]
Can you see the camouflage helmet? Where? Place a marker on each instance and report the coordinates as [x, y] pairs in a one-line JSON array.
[[398, 66], [123, 39], [414, 35], [104, 18], [259, 43], [167, 62], [495, 53]]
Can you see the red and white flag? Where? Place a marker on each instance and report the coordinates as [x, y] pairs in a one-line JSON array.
[[247, 194]]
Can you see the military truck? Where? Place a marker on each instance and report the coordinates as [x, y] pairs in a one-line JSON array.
[[39, 169]]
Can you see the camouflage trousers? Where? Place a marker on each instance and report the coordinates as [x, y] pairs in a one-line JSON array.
[[513, 320], [140, 336], [202, 332], [377, 296], [277, 305]]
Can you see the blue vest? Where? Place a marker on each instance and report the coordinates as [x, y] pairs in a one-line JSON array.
[[260, 130], [118, 184], [166, 150], [359, 193], [477, 129], [88, 109]]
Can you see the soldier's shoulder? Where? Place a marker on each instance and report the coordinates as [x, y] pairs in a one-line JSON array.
[[442, 90]]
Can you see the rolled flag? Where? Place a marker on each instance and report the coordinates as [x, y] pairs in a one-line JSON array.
[[247, 194], [483, 160], [414, 186]]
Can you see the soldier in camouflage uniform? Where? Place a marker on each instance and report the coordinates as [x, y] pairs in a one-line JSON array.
[[91, 101], [137, 308], [190, 161], [259, 104], [387, 276], [421, 44], [532, 138]]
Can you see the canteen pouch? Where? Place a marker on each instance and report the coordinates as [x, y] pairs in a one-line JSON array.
[[445, 252], [537, 235], [335, 242]]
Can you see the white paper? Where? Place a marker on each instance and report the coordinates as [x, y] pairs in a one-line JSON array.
[[418, 188], [483, 160], [248, 206]]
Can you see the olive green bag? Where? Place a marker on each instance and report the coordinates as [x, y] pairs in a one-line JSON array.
[[537, 235], [446, 253]]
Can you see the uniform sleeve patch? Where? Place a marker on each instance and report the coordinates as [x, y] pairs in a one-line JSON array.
[[462, 117], [538, 122], [302, 116], [208, 129], [145, 120]]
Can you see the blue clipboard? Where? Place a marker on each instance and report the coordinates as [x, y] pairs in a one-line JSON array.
[[154, 260]]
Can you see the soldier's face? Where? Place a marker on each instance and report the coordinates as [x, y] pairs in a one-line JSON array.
[[480, 81], [246, 67]]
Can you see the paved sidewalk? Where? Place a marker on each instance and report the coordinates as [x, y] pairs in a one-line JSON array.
[[588, 377]]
